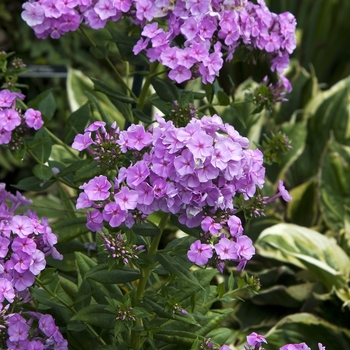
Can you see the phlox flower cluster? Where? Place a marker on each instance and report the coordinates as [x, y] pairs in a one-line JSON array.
[[25, 241], [36, 331], [256, 340], [209, 30], [193, 172], [12, 121]]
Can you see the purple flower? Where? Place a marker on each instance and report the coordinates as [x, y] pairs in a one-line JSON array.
[[255, 339], [137, 174], [245, 248], [4, 244], [301, 346], [113, 213], [235, 225], [199, 253], [25, 245], [226, 249], [33, 118], [180, 74], [47, 325], [208, 224], [22, 226], [38, 262], [82, 142], [6, 290], [97, 189], [18, 331], [201, 145], [283, 192], [126, 198], [94, 220], [9, 119], [33, 13]]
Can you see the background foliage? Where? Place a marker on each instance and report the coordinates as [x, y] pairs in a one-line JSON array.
[[303, 247]]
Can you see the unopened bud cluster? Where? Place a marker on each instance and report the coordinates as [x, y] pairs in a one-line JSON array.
[[120, 249]]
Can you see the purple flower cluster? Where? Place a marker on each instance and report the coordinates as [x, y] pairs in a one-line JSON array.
[[37, 332], [256, 341], [12, 121], [193, 171], [210, 30], [25, 241]]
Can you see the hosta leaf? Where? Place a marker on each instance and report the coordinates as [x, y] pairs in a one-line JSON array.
[[307, 328], [308, 250]]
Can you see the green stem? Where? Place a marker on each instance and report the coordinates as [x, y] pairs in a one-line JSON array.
[[61, 143], [120, 78], [147, 83], [145, 275], [72, 309], [151, 253]]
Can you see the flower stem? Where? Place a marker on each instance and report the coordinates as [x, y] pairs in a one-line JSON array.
[[144, 91], [72, 309], [137, 343], [120, 78]]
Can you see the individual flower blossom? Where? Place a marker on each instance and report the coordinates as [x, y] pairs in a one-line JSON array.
[[255, 339], [98, 188], [226, 249], [282, 192], [199, 253], [33, 118]]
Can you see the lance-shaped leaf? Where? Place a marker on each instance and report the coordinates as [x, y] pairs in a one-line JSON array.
[[96, 315], [70, 228], [100, 273], [308, 250], [171, 265]]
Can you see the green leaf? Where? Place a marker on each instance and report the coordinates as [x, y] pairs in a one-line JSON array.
[[164, 107], [211, 320], [223, 99], [220, 289], [172, 266], [84, 263], [140, 115], [40, 146], [308, 250], [165, 89], [42, 172], [335, 185], [32, 183], [77, 86], [160, 311], [146, 229], [96, 315], [69, 229], [304, 327], [101, 274], [182, 338], [303, 209], [99, 52], [45, 102], [111, 92], [76, 123], [125, 46]]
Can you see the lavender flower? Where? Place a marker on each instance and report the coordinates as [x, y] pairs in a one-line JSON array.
[[210, 29]]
